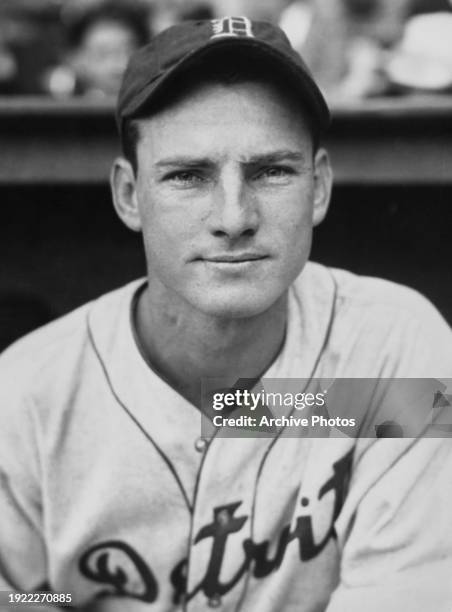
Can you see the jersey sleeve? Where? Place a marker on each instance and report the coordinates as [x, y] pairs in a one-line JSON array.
[[386, 330], [23, 564], [395, 532]]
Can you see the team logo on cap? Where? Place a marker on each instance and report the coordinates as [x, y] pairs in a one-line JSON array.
[[232, 26]]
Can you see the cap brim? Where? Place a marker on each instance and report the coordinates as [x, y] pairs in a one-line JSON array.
[[310, 95]]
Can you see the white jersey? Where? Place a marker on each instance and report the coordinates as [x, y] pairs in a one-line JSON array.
[[107, 491]]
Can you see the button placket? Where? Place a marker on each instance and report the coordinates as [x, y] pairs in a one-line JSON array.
[[222, 509]]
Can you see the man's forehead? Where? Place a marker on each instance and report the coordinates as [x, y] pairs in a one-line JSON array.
[[239, 123], [255, 96]]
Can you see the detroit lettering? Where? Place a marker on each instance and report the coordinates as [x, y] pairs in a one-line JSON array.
[[108, 563]]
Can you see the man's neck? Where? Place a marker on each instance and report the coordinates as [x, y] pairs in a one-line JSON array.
[[184, 347]]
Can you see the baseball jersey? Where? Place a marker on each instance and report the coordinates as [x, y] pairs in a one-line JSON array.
[[108, 491]]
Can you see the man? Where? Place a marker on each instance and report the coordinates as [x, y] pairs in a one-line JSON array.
[[109, 492], [100, 40]]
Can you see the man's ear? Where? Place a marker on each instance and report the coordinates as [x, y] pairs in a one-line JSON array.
[[124, 192], [323, 184]]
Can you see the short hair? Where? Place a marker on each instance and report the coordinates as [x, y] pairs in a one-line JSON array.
[[131, 16], [222, 69]]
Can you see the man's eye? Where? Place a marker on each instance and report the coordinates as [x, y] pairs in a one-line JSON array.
[[185, 178], [275, 173]]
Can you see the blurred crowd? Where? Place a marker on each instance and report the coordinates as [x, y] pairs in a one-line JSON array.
[[355, 48]]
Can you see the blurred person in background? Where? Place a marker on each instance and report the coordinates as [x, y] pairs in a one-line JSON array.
[[165, 13], [317, 29], [345, 42], [262, 10], [100, 39], [28, 42], [8, 69], [422, 61]]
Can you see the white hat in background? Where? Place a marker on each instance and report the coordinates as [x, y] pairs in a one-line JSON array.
[[423, 59]]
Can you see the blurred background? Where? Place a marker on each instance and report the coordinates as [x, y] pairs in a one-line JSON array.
[[385, 67]]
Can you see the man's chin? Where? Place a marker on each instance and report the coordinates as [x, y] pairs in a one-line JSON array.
[[236, 306]]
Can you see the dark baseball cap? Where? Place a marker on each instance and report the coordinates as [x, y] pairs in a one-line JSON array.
[[173, 51]]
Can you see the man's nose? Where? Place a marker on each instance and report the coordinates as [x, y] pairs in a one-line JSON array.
[[234, 211]]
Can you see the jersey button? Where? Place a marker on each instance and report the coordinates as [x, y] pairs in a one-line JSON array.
[[200, 445], [214, 601], [223, 518]]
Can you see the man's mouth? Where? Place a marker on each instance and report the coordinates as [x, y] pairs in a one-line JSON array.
[[234, 258]]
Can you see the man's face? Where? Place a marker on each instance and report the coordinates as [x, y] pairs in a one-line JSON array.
[[226, 185]]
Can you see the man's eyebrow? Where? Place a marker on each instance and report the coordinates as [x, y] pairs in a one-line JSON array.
[[183, 161], [272, 157]]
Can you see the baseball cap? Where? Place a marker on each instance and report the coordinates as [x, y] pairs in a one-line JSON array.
[[173, 51]]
